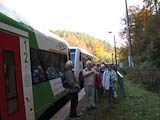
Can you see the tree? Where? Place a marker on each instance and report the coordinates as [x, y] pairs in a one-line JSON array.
[[93, 45], [153, 5], [153, 36], [138, 19]]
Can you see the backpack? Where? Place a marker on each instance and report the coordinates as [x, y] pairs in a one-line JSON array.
[[64, 81], [81, 79]]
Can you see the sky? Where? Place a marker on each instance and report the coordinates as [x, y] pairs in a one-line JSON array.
[[93, 17]]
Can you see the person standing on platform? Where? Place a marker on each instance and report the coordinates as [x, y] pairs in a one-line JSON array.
[[73, 89]]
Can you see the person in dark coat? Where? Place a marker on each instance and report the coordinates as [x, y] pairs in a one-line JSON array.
[[73, 89]]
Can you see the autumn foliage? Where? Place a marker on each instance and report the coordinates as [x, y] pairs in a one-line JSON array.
[[144, 31], [99, 48]]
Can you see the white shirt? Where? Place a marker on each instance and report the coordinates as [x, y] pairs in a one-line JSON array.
[[106, 79]]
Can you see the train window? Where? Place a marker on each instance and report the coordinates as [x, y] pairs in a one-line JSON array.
[[54, 64], [38, 74], [84, 60], [47, 65], [10, 81], [62, 62], [72, 55]]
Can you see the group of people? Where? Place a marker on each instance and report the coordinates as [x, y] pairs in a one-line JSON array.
[[98, 80]]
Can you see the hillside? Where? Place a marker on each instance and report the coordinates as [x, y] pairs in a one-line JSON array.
[[95, 46]]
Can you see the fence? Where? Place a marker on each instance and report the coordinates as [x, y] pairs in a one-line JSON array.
[[149, 77]]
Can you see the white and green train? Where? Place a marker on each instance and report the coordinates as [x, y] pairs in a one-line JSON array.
[[30, 66]]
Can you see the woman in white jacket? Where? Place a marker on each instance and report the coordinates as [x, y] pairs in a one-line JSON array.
[[108, 82]]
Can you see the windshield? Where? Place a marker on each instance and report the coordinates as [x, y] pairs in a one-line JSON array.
[[72, 55]]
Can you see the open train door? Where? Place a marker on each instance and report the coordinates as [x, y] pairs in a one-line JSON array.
[[11, 87]]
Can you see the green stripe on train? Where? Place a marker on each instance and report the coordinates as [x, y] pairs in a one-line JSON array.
[[43, 96], [22, 26]]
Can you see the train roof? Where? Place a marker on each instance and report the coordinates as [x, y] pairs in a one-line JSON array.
[[82, 50], [47, 33]]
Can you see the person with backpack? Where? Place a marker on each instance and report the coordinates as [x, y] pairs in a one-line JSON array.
[[73, 88], [108, 81]]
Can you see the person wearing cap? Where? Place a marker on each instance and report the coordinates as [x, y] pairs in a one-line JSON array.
[[73, 89], [89, 85], [109, 78], [102, 70]]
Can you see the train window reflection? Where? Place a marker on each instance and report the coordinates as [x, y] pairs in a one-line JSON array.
[[46, 65]]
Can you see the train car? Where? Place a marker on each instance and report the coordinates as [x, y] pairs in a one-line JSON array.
[[30, 66], [79, 57]]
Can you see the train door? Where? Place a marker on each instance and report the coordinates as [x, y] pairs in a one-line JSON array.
[[11, 88], [77, 62]]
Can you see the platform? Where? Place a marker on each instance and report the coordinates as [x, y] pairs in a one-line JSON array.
[[63, 113]]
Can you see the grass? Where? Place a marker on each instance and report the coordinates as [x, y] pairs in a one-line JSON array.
[[139, 104]]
